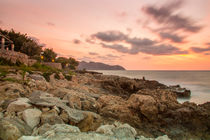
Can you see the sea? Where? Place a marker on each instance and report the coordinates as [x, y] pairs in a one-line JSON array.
[[196, 81]]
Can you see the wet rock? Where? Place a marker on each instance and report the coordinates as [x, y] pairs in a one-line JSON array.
[[32, 117], [180, 92]]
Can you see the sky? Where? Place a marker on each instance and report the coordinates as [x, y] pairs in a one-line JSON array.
[[136, 34]]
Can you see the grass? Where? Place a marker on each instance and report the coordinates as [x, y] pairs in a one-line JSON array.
[[46, 70]]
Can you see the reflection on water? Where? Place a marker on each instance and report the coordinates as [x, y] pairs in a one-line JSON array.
[[197, 81]]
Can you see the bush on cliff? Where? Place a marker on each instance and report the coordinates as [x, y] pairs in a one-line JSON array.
[[23, 43], [70, 62], [49, 55]]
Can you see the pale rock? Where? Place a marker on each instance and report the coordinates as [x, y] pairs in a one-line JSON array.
[[106, 129], [37, 77], [32, 117], [32, 138], [13, 128], [19, 105]]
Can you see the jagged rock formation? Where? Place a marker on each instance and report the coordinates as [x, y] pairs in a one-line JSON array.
[[94, 102]]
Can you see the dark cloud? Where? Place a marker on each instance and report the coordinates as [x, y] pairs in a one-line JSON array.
[[200, 50], [93, 53], [167, 17], [109, 57], [161, 49], [50, 24], [136, 45], [140, 42], [173, 37], [110, 36], [112, 56], [76, 41], [208, 43]]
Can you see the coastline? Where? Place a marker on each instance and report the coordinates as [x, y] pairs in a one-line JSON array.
[[89, 101], [199, 84]]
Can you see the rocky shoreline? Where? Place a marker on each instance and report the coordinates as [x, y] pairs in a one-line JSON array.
[[94, 106]]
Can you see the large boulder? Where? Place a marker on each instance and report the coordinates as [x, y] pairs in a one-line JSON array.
[[145, 104], [19, 105], [84, 119], [12, 129], [119, 130], [32, 117], [51, 117], [9, 91]]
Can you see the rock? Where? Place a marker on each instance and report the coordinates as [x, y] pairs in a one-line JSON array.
[[90, 123], [145, 104], [64, 116], [118, 108], [17, 76], [81, 100], [1, 115], [44, 99], [106, 129], [56, 129], [12, 129], [32, 117], [51, 117], [180, 92], [74, 101], [118, 130], [37, 77], [19, 105], [11, 91], [165, 137], [32, 138]]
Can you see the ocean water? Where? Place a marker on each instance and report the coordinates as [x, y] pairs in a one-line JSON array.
[[196, 81]]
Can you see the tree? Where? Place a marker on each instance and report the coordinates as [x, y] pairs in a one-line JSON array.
[[49, 55], [23, 43], [67, 62]]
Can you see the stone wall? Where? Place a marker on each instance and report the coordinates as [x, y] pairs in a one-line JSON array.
[[23, 58], [14, 56], [54, 65]]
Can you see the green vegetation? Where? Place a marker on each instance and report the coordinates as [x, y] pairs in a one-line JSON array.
[[49, 55], [6, 62], [23, 43], [70, 62], [31, 47]]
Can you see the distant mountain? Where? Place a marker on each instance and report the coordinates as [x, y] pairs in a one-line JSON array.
[[98, 66]]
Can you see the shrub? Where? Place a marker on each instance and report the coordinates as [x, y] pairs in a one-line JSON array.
[[46, 75]]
